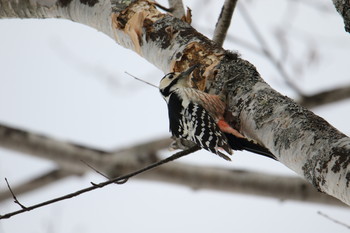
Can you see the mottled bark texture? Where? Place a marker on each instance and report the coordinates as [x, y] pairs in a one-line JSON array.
[[299, 139], [304, 142], [93, 13], [343, 7]]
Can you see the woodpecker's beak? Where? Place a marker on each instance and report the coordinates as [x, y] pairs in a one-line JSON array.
[[189, 71]]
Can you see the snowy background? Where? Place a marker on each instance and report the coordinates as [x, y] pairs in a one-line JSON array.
[[67, 80]]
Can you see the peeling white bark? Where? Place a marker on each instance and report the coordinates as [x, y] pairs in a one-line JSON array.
[[94, 13], [299, 139]]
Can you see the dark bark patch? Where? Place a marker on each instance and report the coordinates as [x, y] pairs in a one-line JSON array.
[[178, 55], [232, 55], [13, 133], [343, 159], [169, 29], [64, 3], [159, 32], [309, 174], [90, 3], [287, 137]]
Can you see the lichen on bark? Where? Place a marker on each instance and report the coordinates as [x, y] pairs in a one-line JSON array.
[[343, 8]]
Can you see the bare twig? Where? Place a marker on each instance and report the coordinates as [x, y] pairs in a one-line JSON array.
[[224, 21], [97, 171], [177, 8], [333, 220], [104, 175], [141, 80], [14, 196], [266, 50], [117, 180], [38, 182]]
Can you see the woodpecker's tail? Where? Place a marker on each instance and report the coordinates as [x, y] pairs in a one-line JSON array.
[[244, 144]]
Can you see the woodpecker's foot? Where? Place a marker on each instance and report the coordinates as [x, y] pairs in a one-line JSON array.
[[181, 144], [225, 127]]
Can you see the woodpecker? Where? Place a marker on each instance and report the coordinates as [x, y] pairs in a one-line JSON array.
[[199, 117]]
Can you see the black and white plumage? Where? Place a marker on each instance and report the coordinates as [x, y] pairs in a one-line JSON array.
[[198, 117]]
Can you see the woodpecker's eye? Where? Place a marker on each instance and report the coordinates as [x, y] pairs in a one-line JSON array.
[[171, 76]]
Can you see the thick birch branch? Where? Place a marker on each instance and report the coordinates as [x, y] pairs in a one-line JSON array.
[[70, 156], [343, 8], [299, 139]]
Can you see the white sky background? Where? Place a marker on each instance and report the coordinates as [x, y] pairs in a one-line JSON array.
[[67, 80]]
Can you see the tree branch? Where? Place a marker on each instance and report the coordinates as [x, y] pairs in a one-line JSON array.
[[325, 97], [38, 182], [118, 180], [125, 160], [302, 141], [261, 184], [14, 196], [177, 8], [224, 21], [69, 155], [334, 220]]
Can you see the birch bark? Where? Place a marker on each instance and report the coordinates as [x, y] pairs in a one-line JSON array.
[[299, 139], [343, 8]]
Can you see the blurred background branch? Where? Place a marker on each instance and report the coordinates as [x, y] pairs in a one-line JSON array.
[[69, 157], [224, 21]]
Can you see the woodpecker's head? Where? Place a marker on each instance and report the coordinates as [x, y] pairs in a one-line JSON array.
[[172, 81]]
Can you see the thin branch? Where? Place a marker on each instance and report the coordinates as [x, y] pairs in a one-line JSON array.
[[224, 21], [104, 175], [141, 80], [266, 50], [14, 196], [38, 182], [177, 8], [97, 171], [100, 185], [325, 97], [333, 220]]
